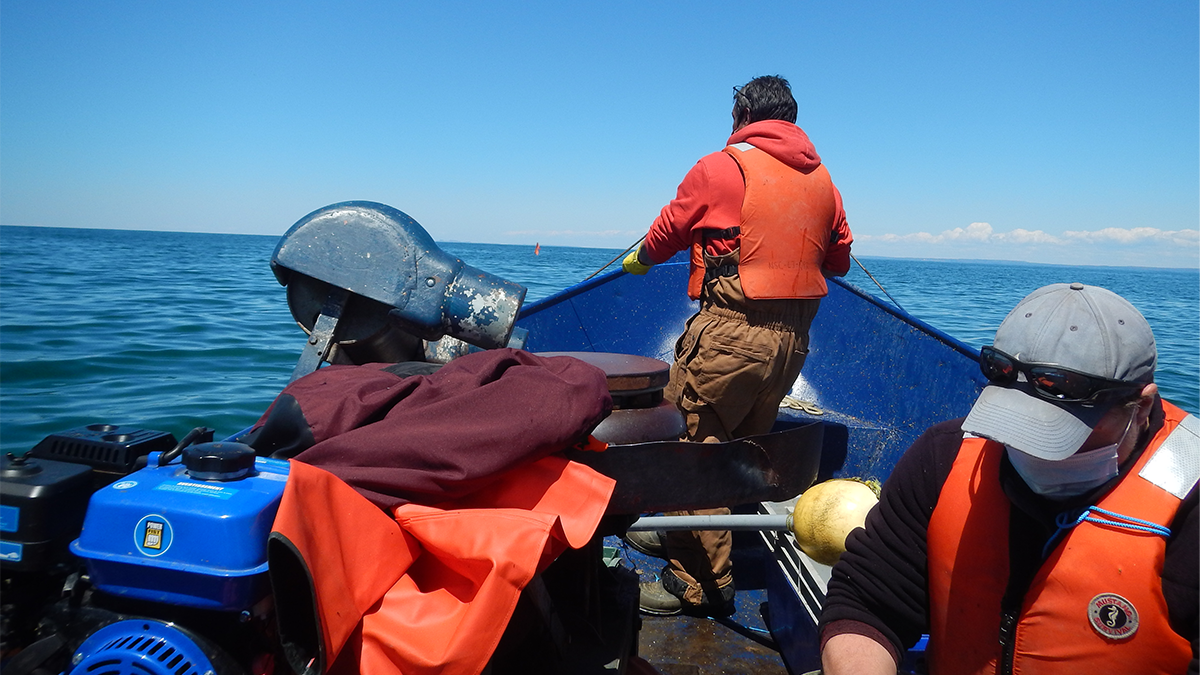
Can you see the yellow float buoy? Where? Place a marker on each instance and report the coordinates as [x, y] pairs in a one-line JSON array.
[[827, 512]]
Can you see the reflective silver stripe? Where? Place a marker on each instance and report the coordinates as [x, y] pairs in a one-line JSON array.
[[1176, 466], [743, 146]]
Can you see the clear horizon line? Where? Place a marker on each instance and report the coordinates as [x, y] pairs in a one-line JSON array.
[[614, 248]]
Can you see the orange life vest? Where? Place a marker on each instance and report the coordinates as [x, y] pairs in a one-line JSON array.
[[786, 220], [1095, 605]]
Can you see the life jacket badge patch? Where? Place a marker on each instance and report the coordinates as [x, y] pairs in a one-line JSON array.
[[1112, 616]]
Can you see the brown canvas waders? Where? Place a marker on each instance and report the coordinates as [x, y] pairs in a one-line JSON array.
[[734, 363]]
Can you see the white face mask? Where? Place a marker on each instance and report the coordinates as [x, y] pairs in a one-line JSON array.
[[1071, 476]]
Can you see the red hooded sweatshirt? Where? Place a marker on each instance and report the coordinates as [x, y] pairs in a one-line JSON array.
[[710, 196]]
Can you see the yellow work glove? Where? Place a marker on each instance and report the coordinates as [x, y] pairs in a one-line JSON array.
[[633, 265]]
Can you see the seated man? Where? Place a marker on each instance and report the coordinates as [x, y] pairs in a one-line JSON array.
[[1054, 529]]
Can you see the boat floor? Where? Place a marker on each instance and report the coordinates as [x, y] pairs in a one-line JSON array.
[[687, 645]]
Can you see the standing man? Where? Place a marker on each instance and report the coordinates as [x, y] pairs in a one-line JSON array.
[[1053, 530], [765, 226]]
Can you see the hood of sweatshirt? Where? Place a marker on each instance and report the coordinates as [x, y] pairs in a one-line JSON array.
[[782, 140]]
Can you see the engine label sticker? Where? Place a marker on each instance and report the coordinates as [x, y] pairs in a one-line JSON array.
[[10, 551], [203, 489], [10, 518], [153, 535]]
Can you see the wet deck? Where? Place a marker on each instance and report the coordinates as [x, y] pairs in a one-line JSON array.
[[739, 644]]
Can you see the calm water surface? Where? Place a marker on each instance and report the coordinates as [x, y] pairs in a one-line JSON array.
[[170, 331]]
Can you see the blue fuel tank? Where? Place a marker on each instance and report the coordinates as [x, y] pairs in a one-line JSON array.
[[193, 532]]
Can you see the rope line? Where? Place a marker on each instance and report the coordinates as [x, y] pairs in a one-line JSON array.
[[1099, 516], [889, 296], [614, 260]]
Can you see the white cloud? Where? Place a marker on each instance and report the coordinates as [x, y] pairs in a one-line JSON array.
[[1020, 236], [974, 232], [1135, 235], [984, 233]]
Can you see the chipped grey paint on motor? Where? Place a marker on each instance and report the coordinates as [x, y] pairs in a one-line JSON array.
[[490, 315], [445, 350]]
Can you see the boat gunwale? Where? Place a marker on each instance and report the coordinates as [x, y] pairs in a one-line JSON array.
[[572, 291]]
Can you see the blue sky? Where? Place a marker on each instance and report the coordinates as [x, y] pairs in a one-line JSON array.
[[1054, 132]]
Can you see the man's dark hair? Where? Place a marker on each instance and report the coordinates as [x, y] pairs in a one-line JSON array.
[[766, 98]]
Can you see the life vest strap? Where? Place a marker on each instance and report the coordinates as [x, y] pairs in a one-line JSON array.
[[727, 233], [711, 273]]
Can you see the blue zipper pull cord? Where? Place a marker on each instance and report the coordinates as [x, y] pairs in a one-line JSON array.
[[1099, 516]]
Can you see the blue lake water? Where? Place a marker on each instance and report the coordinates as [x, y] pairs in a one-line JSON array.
[[171, 331]]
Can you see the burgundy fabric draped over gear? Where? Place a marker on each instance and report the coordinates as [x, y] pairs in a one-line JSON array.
[[427, 438], [475, 503]]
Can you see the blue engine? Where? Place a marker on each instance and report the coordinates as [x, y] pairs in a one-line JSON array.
[[143, 647], [168, 575], [192, 534]]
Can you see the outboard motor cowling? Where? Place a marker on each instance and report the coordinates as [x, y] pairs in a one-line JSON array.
[[355, 269]]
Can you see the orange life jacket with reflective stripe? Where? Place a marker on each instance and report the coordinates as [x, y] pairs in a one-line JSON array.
[[786, 220], [1096, 604]]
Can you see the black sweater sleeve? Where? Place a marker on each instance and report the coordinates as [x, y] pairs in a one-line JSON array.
[[880, 579], [1181, 576]]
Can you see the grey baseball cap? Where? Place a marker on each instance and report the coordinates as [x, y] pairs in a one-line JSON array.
[[1084, 328]]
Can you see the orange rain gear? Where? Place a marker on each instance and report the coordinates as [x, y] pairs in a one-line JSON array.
[[429, 590]]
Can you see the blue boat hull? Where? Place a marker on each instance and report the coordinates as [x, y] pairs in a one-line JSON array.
[[879, 375]]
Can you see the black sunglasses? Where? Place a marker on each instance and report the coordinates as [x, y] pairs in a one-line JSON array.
[[740, 100], [1053, 383]]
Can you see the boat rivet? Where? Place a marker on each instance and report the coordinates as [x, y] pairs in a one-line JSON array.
[[430, 282], [312, 339]]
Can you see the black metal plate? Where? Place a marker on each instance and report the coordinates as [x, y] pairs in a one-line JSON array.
[[680, 475]]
